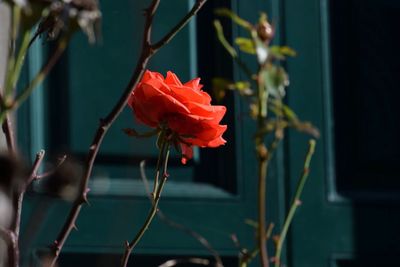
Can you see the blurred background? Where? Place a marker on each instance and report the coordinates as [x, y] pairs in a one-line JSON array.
[[344, 80]]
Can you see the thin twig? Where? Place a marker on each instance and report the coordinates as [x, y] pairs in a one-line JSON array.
[[182, 23], [295, 203], [147, 52], [35, 168], [52, 171], [20, 191]]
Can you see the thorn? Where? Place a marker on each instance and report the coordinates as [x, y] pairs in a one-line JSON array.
[[297, 202], [127, 244]]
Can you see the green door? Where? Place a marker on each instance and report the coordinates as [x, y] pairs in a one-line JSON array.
[[345, 80]]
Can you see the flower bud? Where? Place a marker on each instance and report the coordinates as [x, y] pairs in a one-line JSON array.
[[265, 31]]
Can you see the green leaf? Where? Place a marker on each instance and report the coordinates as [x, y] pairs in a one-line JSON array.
[[305, 127], [222, 39], [246, 45], [220, 85], [276, 79], [225, 12], [243, 87], [289, 113]]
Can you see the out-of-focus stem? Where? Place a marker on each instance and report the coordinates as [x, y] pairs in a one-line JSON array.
[[230, 49], [26, 92], [16, 71], [296, 201]]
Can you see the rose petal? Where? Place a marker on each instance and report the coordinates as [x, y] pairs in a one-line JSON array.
[[172, 79]]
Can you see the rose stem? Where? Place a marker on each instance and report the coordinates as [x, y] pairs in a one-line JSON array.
[[201, 239], [162, 160], [296, 201], [147, 52]]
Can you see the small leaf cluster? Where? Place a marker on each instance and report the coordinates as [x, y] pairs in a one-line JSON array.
[[265, 87]]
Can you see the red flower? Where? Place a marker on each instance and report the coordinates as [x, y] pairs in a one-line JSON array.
[[184, 108]]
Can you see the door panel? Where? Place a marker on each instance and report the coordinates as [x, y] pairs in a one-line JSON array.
[[342, 81]]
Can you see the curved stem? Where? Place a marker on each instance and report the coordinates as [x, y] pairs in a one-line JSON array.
[[15, 73], [15, 21], [163, 157], [230, 49], [295, 203]]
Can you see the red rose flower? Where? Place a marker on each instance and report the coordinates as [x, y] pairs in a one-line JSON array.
[[184, 108]]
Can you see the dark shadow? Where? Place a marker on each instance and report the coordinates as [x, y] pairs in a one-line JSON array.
[[366, 91]]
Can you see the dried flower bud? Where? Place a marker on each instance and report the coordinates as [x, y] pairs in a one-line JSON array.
[[265, 31], [69, 15]]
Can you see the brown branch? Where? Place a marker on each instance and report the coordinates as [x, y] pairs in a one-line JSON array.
[[169, 36], [7, 128], [18, 198], [20, 191], [35, 168], [9, 134], [13, 253], [52, 171], [147, 52]]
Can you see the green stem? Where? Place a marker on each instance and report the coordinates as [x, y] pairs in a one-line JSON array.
[[156, 199], [14, 75], [264, 157], [25, 93], [262, 184], [16, 16], [296, 201], [230, 49]]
